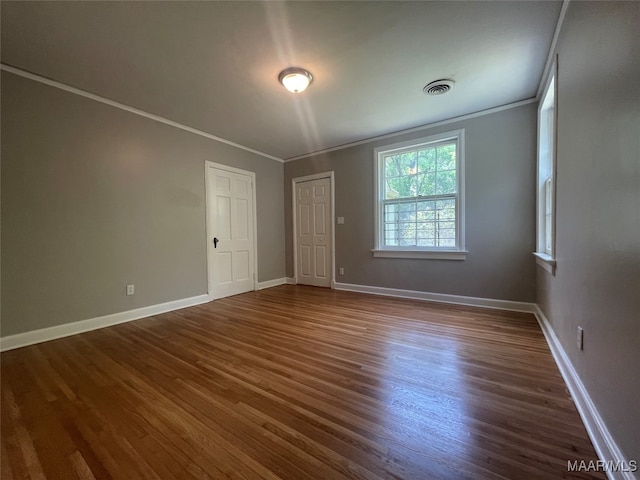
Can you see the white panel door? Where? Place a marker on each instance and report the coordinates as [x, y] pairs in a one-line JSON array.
[[230, 232], [313, 232]]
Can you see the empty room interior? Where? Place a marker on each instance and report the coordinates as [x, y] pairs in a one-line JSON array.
[[320, 240]]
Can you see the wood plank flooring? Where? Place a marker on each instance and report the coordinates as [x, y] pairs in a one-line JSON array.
[[294, 383]]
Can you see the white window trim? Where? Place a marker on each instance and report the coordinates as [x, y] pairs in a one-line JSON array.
[[457, 253], [546, 257]]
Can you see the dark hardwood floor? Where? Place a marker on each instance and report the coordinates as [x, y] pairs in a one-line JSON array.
[[294, 383]]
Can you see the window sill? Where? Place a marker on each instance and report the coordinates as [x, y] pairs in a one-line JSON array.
[[546, 261], [422, 254]]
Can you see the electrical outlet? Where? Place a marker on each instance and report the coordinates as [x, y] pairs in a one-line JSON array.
[[341, 271], [580, 338], [131, 289]]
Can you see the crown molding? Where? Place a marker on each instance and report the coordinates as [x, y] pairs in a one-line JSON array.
[[552, 48], [420, 128], [128, 108]]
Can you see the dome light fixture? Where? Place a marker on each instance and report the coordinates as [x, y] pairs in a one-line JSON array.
[[295, 79]]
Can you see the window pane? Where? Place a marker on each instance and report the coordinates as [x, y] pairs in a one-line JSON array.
[[425, 215], [412, 183], [407, 234], [427, 160], [407, 207], [401, 187], [391, 212], [426, 184], [447, 203], [408, 163], [426, 231], [391, 188], [446, 157], [392, 166], [446, 233], [421, 184], [447, 242], [426, 205], [423, 242], [390, 225], [426, 211], [447, 225], [548, 203], [547, 234], [447, 214], [446, 182], [407, 212]]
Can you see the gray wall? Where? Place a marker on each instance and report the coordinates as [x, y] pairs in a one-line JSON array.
[[94, 198], [597, 283], [500, 212]]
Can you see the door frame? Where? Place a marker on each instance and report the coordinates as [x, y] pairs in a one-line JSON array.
[[209, 228], [294, 213]]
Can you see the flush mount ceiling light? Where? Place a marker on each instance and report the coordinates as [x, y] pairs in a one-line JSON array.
[[295, 79], [438, 87]]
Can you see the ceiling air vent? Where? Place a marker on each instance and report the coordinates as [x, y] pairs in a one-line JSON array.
[[438, 87]]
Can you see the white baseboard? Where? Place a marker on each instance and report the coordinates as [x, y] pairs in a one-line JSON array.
[[67, 329], [603, 442], [271, 283], [291, 281], [439, 297]]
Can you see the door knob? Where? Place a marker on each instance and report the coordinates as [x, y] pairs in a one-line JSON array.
[[215, 242]]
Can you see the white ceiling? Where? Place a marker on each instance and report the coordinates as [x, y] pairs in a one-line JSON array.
[[213, 66]]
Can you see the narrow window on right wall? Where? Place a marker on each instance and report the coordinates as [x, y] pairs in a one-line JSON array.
[[546, 184]]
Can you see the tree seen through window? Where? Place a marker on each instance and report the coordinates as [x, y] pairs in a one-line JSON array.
[[420, 197]]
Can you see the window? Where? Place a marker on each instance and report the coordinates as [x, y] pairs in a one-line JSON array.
[[545, 245], [548, 216], [419, 198]]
